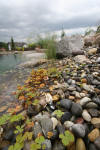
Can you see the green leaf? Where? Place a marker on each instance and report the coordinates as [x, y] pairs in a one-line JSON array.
[[59, 113], [67, 138], [40, 140], [11, 147], [35, 146]]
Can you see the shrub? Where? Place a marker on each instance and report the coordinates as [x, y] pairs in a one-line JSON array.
[[32, 45], [51, 48]]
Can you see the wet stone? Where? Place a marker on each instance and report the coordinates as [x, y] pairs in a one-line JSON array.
[[47, 125], [92, 146], [78, 130], [37, 129], [97, 143], [93, 112], [66, 116], [66, 103], [76, 109]]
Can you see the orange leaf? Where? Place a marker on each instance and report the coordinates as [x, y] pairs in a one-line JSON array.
[[50, 134], [21, 98], [42, 85]]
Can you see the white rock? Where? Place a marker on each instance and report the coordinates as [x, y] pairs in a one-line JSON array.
[[86, 116], [48, 98], [88, 88], [82, 95], [84, 101], [55, 122], [68, 124]]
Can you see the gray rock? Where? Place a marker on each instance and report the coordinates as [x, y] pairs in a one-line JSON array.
[[98, 60], [97, 143], [9, 135], [76, 109], [47, 125], [96, 100], [88, 88], [93, 112], [68, 124], [91, 105], [65, 117], [58, 146], [84, 101], [92, 146], [66, 103], [48, 144], [78, 130], [37, 129], [60, 129], [86, 116], [68, 45]]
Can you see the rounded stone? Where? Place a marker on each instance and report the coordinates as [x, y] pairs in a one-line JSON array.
[[66, 103], [92, 146], [78, 130], [93, 112], [80, 145], [84, 101], [86, 116], [47, 144], [65, 117], [93, 135], [76, 109], [96, 122], [55, 122], [68, 124], [97, 143], [91, 105]]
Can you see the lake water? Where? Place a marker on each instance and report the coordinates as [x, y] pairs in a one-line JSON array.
[[10, 61]]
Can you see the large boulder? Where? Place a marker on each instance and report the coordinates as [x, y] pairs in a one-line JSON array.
[[69, 45]]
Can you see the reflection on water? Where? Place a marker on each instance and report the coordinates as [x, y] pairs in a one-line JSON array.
[[10, 61]]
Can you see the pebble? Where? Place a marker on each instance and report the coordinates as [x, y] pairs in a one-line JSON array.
[[66, 103], [93, 112], [98, 60], [47, 125], [65, 117], [48, 145], [37, 129], [78, 130], [84, 101], [97, 143], [96, 122], [68, 124], [92, 146], [76, 109], [80, 145], [94, 134], [88, 88], [58, 146], [86, 116], [55, 122], [91, 105]]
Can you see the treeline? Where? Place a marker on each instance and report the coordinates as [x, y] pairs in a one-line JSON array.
[[4, 45]]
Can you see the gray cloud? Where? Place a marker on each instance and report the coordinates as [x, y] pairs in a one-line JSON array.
[[22, 18]]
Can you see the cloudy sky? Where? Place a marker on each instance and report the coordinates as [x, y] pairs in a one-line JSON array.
[[25, 18]]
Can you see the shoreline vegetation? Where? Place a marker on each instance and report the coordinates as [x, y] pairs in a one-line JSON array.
[[58, 104]]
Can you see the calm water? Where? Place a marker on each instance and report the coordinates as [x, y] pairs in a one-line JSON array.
[[10, 61]]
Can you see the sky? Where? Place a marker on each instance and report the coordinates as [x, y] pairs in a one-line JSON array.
[[23, 19]]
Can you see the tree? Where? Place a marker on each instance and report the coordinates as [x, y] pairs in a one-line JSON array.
[[98, 29], [12, 44], [63, 33]]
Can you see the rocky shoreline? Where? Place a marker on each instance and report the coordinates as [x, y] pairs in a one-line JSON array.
[[59, 107]]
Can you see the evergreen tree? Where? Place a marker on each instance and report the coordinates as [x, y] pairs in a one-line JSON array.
[[63, 33], [12, 44]]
